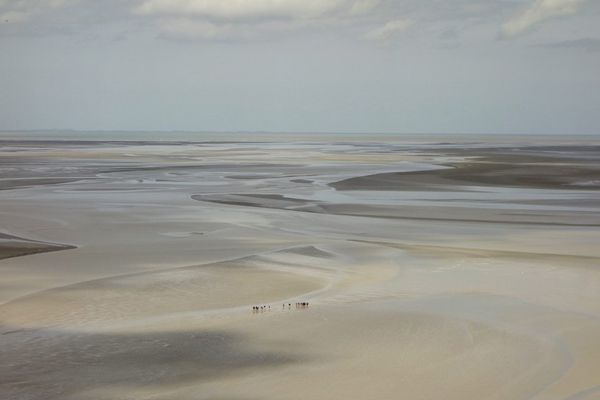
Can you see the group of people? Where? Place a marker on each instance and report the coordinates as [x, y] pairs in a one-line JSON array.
[[259, 309]]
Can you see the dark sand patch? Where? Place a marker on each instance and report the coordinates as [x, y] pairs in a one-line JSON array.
[[18, 249], [301, 181], [424, 213], [253, 200], [61, 364], [14, 246], [457, 214], [250, 177], [25, 183], [311, 251], [521, 171], [275, 197], [195, 167]]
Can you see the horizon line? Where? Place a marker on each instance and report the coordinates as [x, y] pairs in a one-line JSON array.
[[66, 130]]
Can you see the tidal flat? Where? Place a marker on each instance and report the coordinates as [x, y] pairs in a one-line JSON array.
[[448, 267]]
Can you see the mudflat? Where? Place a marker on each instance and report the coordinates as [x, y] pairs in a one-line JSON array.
[[462, 268]]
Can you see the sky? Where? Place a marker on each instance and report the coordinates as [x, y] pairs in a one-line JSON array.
[[370, 66]]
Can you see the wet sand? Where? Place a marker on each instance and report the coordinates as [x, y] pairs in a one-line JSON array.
[[478, 280]]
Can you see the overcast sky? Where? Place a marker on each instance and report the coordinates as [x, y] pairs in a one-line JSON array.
[[407, 66]]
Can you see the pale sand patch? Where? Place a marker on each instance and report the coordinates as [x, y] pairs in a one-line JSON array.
[[352, 347], [380, 353], [153, 294]]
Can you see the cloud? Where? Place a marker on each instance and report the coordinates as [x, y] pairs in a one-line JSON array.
[[389, 29], [538, 12], [240, 10], [243, 19], [189, 29], [363, 6], [376, 20], [23, 10]]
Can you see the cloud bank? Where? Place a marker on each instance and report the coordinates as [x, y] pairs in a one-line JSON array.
[[375, 20], [249, 18], [538, 12]]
